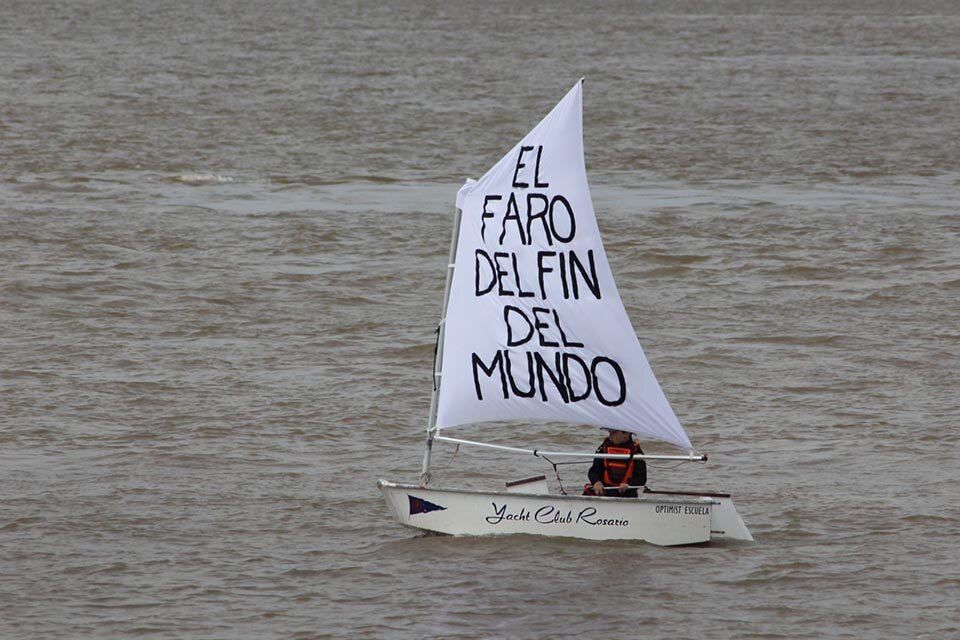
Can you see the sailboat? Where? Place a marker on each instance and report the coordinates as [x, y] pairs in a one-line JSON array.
[[533, 330]]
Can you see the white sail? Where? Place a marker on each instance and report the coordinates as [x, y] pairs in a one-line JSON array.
[[534, 327]]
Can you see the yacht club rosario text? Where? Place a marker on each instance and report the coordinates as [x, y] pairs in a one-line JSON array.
[[551, 515]]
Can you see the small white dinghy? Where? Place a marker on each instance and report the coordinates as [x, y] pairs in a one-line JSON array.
[[534, 330]]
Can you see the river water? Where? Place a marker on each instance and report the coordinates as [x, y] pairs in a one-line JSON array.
[[223, 231]]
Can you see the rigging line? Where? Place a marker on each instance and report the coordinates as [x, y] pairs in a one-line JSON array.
[[456, 450], [665, 467], [557, 473]]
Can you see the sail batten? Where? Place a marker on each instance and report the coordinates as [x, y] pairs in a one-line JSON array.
[[535, 328]]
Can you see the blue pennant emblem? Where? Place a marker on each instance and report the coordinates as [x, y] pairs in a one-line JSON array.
[[419, 505]]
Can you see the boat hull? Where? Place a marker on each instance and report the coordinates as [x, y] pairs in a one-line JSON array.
[[662, 519], [725, 521]]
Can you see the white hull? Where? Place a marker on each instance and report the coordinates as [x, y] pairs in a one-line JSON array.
[[658, 518]]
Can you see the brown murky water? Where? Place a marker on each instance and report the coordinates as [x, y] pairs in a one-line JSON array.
[[223, 229]]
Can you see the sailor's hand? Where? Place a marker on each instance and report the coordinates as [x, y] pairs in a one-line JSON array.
[[623, 487], [598, 488]]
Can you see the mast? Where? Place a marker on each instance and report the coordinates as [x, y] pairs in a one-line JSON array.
[[438, 358]]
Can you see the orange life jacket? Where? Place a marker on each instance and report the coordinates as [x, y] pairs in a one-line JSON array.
[[615, 470]]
